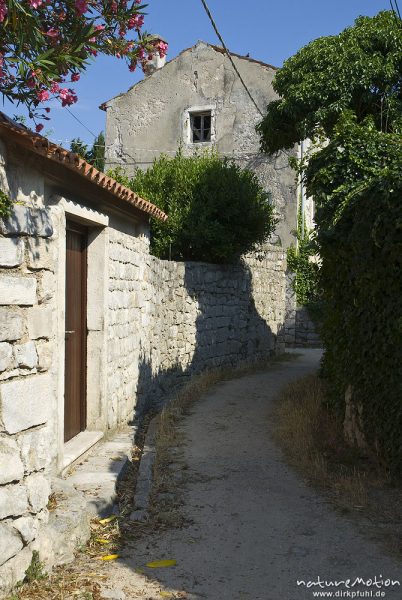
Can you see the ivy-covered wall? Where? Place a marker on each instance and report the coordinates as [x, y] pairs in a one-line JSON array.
[[362, 329]]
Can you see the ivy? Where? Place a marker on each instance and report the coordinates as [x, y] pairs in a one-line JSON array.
[[301, 261], [344, 93], [360, 243]]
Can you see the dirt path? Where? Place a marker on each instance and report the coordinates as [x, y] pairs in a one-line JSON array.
[[256, 528]]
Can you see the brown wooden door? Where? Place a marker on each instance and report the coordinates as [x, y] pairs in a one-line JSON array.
[[76, 331]]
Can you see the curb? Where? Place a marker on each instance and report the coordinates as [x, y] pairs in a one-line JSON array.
[[145, 473]]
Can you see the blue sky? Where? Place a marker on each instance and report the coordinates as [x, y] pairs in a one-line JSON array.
[[269, 31]]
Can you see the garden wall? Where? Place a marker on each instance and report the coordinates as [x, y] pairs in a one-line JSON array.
[[169, 320]]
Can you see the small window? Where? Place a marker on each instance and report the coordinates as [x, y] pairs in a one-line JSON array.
[[200, 127]]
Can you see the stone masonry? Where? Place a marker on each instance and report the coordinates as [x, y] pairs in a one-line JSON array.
[[26, 386], [170, 320]]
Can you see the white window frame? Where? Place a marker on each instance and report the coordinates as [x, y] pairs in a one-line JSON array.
[[186, 125]]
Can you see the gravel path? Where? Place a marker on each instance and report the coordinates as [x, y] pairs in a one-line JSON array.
[[256, 528]]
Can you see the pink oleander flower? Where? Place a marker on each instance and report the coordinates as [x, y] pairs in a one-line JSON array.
[[3, 10], [133, 65], [53, 32], [43, 95], [75, 77], [35, 3], [162, 49], [81, 6], [137, 21], [67, 97], [99, 27], [39, 127], [54, 88], [141, 53]]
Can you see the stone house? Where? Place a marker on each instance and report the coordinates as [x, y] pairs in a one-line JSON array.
[[93, 329], [197, 101]]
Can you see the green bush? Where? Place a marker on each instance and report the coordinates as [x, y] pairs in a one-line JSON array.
[[217, 211]]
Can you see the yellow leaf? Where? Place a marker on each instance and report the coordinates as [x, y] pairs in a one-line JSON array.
[[139, 570], [161, 563], [102, 541], [109, 557], [166, 594], [108, 519]]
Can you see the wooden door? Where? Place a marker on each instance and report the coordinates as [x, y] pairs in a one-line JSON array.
[[75, 330]]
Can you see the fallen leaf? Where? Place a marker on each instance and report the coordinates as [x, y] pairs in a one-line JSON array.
[[166, 594], [139, 570], [161, 563], [108, 519], [109, 557], [102, 541]]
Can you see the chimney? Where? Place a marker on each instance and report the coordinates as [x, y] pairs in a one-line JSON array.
[[158, 55]]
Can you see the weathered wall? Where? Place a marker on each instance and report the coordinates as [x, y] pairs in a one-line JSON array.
[[171, 320], [27, 391], [151, 118]]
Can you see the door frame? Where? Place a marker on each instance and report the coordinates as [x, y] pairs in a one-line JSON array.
[[63, 210]]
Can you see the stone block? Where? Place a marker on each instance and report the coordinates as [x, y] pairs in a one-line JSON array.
[[18, 290], [45, 355], [39, 322], [13, 500], [38, 488], [27, 221], [6, 356], [26, 402], [25, 355], [14, 570], [40, 253], [27, 527], [11, 325], [47, 287], [11, 467], [10, 542], [36, 448], [11, 252]]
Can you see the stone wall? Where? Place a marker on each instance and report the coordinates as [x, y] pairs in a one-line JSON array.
[[306, 335], [300, 330], [171, 320], [27, 442]]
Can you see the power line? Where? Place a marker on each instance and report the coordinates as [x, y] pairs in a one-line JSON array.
[[229, 55], [80, 122], [395, 9]]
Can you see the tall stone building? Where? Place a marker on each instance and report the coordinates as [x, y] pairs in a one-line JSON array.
[[197, 101]]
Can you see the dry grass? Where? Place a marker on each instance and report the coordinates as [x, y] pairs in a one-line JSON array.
[[313, 442]]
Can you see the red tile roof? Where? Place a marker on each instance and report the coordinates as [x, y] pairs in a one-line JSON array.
[[40, 145]]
